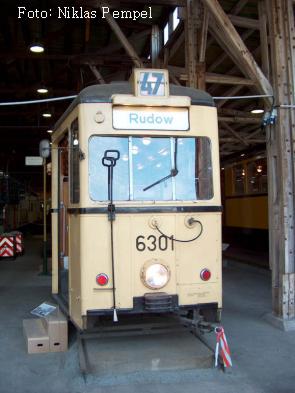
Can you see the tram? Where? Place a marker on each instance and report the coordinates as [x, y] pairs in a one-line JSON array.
[[245, 203], [136, 208]]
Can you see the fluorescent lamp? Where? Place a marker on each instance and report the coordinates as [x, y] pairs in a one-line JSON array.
[[42, 90], [37, 48], [257, 111]]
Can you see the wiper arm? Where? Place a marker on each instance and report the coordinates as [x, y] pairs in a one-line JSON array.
[[173, 173]]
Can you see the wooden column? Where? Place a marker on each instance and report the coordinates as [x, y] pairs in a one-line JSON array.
[[155, 46], [196, 26], [281, 163]]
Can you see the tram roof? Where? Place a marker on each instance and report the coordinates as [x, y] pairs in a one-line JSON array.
[[104, 93]]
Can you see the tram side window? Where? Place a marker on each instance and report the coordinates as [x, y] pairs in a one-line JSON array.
[[74, 163], [194, 179], [204, 184], [239, 179], [257, 176]]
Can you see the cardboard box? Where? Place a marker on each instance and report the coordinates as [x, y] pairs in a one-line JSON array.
[[36, 337], [56, 325]]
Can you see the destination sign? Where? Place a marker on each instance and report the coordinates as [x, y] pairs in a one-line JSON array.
[[34, 161], [140, 118]]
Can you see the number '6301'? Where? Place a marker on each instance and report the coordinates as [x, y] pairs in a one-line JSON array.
[[152, 243]]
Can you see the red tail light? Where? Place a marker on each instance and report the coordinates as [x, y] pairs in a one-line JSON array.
[[102, 279], [205, 274]]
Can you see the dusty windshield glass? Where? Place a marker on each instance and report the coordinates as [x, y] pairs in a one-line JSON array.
[[145, 168]]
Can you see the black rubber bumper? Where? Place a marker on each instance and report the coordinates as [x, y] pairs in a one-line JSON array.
[[154, 303]]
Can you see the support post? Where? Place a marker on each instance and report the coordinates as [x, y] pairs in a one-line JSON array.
[[196, 24], [45, 265], [281, 164], [155, 46]]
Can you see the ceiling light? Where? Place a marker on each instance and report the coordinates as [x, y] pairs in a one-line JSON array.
[[46, 114], [42, 90], [255, 111], [37, 48], [49, 131]]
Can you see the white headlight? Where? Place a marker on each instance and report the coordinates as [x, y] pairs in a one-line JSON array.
[[156, 276]]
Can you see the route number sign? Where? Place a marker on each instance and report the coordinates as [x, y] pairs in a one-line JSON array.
[[151, 83]]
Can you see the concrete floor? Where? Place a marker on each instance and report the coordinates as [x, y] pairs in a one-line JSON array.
[[263, 356]]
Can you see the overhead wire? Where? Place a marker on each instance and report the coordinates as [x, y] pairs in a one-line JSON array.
[[29, 102], [11, 103]]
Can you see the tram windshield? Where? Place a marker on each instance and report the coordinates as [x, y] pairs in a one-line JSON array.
[[152, 168]]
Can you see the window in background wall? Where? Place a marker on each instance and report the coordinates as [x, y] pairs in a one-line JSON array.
[[166, 33], [175, 18]]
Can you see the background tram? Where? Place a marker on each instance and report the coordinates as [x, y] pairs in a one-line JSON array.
[[245, 203], [136, 209]]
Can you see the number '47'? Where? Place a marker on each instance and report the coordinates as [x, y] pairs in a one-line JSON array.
[[150, 85]]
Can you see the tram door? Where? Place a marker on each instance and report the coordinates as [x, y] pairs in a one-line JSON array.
[[63, 247]]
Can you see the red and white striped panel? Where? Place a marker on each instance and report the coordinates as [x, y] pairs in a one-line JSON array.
[[6, 246], [19, 242]]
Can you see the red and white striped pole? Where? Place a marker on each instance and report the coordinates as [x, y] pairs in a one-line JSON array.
[[222, 346]]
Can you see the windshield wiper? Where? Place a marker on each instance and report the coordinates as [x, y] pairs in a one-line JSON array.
[[173, 172]]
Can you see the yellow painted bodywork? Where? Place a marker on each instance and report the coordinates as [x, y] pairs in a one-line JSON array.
[[89, 234], [247, 212]]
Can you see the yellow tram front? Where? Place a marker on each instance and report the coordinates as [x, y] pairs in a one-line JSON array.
[[136, 201]]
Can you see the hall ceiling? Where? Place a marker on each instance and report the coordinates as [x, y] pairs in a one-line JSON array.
[[77, 50]]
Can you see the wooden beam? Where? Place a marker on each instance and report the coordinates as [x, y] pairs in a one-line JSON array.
[[263, 38], [234, 140], [238, 7], [173, 78], [116, 46], [213, 78], [234, 11], [227, 79], [236, 48], [229, 93], [233, 71], [252, 134], [122, 38], [155, 45], [244, 22], [204, 34], [97, 74], [177, 45], [220, 59], [235, 112], [234, 133], [236, 119]]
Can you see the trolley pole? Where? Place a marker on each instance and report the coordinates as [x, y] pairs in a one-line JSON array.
[[45, 267]]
